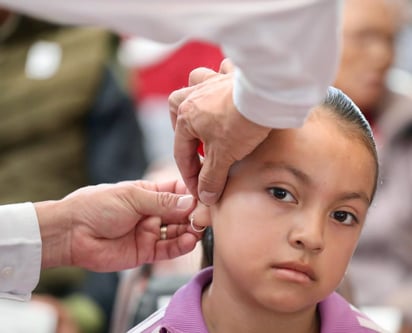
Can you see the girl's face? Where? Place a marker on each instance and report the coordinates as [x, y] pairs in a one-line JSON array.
[[291, 215]]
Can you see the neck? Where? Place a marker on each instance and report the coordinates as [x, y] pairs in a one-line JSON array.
[[225, 311]]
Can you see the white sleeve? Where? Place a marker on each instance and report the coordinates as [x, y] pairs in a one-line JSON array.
[[285, 51], [20, 251]]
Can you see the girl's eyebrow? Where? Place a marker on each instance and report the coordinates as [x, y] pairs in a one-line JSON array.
[[356, 195], [304, 178]]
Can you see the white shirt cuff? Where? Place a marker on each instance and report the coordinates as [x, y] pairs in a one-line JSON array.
[[272, 111], [20, 251]]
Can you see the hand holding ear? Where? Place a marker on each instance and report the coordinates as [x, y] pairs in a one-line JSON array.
[[205, 112]]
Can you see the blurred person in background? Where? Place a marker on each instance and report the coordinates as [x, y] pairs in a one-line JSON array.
[[65, 123], [381, 268], [403, 46]]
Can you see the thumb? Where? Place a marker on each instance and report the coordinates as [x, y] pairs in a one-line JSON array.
[[212, 178], [169, 206]]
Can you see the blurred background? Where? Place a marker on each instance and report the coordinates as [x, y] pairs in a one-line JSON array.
[[82, 106]]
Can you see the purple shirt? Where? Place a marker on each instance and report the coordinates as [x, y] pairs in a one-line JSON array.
[[184, 313]]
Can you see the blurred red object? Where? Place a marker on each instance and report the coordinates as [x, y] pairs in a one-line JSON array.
[[172, 73]]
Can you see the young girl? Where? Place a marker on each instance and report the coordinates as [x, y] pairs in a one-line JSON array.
[[284, 232]]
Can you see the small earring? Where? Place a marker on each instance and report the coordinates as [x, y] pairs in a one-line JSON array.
[[192, 224]]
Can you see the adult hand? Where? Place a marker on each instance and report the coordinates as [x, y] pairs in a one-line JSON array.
[[204, 112], [112, 227]]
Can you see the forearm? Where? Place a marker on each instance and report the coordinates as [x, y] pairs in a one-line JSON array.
[[55, 229], [277, 46]]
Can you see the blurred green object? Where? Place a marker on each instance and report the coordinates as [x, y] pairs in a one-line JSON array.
[[88, 316], [61, 281]]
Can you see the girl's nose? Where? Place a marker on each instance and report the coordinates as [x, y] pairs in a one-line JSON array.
[[308, 233]]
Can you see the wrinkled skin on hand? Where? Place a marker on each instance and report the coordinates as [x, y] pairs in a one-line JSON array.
[[204, 112], [113, 227]]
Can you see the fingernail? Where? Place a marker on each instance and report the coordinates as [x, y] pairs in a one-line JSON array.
[[185, 202], [208, 198]]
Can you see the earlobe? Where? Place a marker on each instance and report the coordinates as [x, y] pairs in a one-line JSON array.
[[194, 226], [200, 216]]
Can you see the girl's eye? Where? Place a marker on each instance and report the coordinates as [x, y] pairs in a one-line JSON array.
[[344, 217], [281, 194]]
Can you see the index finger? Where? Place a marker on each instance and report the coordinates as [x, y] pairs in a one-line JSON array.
[[186, 156], [175, 99], [172, 186], [200, 74]]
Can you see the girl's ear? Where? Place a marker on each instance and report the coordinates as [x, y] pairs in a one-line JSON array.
[[201, 216]]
